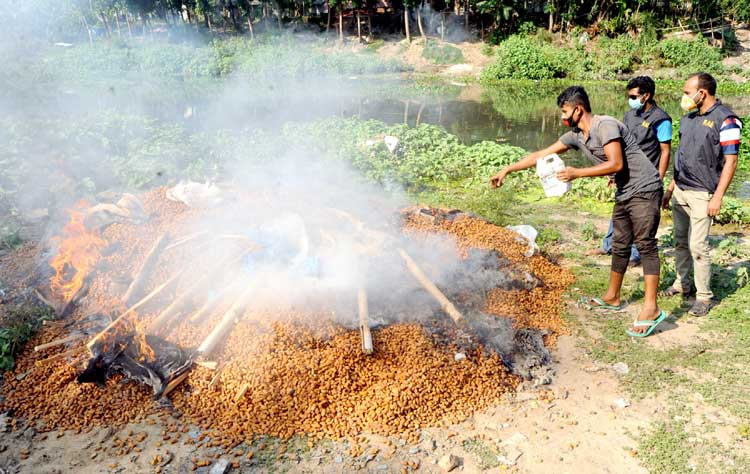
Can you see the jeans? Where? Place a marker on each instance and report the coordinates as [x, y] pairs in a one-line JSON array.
[[635, 221], [607, 245]]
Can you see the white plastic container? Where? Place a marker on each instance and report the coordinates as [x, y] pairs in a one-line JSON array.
[[546, 169]]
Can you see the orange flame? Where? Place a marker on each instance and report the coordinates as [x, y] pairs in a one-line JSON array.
[[77, 253], [146, 352]]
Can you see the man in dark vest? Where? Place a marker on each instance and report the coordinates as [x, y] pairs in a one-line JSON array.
[[704, 166], [613, 151], [652, 128]]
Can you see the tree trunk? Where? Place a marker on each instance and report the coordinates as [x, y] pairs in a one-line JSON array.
[[466, 16], [88, 30], [442, 26], [117, 22], [551, 15], [341, 23], [419, 24], [406, 24], [328, 23], [278, 15], [103, 17], [250, 26], [359, 27], [369, 24], [127, 19]]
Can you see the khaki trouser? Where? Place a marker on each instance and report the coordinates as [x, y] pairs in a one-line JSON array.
[[691, 227]]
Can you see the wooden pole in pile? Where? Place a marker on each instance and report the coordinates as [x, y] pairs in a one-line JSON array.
[[168, 313], [364, 323], [225, 325], [139, 279], [214, 338], [59, 342], [146, 299], [61, 355], [444, 302]]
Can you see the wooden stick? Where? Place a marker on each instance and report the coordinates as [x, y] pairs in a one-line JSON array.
[[145, 300], [444, 302], [207, 364], [185, 240], [53, 323], [225, 325], [45, 300], [168, 313], [59, 342], [61, 355], [174, 383], [215, 379], [364, 324], [242, 392], [213, 302], [136, 286]]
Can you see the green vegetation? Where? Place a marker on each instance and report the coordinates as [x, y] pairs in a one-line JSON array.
[[542, 57], [20, 323], [442, 54]]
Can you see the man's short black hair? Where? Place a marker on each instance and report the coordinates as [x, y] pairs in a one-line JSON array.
[[644, 84], [706, 81], [574, 95]]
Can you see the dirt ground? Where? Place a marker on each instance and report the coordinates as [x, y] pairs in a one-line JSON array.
[[581, 423]]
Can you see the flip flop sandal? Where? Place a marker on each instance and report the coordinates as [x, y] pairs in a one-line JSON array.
[[647, 322], [598, 303]]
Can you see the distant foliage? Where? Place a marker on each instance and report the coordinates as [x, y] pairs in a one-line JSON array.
[[442, 54], [691, 55], [520, 57], [534, 57]]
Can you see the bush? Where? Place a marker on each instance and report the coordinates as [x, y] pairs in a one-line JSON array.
[[445, 54], [691, 55], [521, 58]]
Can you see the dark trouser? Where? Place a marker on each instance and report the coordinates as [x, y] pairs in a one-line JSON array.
[[635, 221], [607, 245]]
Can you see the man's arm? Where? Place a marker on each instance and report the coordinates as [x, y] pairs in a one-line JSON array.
[[664, 135], [667, 199], [730, 165], [729, 137], [614, 163], [527, 162], [666, 148]]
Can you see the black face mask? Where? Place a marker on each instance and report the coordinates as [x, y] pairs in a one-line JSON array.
[[570, 121]]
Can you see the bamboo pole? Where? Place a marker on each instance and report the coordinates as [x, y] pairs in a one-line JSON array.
[[174, 383], [185, 240], [433, 290], [241, 393], [143, 301], [168, 313], [225, 325], [59, 342], [61, 355], [364, 324], [140, 277]]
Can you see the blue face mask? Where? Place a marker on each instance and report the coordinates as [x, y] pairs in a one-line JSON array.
[[635, 104]]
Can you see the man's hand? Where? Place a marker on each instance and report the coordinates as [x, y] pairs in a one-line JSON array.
[[497, 180], [568, 174], [666, 201], [714, 206]]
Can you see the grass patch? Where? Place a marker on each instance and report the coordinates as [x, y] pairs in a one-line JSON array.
[[19, 323], [485, 453]]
